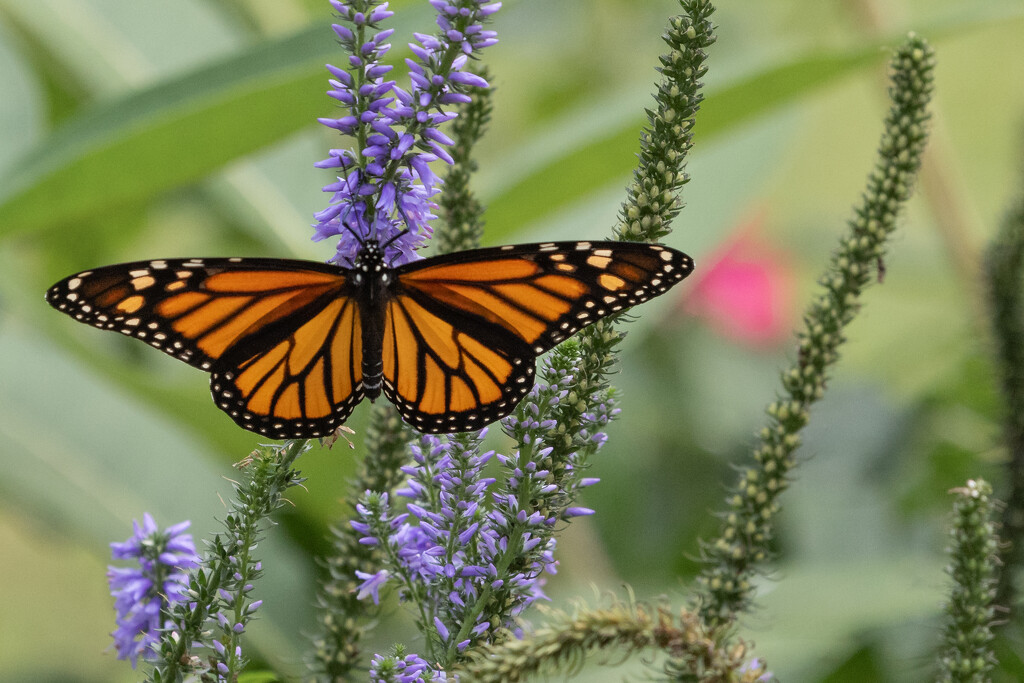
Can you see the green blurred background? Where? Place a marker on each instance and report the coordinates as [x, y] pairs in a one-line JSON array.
[[134, 129]]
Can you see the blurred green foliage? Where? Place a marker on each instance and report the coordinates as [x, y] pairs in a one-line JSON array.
[[131, 130]]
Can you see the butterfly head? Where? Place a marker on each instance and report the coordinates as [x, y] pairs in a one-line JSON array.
[[369, 264]]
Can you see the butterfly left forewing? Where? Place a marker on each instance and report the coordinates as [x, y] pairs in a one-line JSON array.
[[279, 337], [148, 300], [192, 309]]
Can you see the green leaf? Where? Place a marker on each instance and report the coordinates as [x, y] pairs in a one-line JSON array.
[[600, 160], [21, 106], [607, 158], [178, 131]]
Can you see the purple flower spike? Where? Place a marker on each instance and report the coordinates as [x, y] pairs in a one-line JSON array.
[[143, 594], [387, 193]]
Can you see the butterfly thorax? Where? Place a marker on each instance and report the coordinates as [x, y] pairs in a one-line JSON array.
[[371, 279]]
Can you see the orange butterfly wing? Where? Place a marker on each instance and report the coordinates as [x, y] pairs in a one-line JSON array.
[[462, 331], [456, 336], [280, 338]]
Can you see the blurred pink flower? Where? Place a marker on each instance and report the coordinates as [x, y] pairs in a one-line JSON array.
[[747, 291]]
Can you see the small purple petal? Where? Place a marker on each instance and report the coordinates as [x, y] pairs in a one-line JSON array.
[[442, 630]]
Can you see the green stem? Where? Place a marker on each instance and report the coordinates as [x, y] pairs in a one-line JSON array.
[[1004, 270], [967, 656]]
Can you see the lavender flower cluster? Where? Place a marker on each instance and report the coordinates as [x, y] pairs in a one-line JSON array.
[[469, 551], [143, 593], [386, 190], [404, 669], [442, 547]]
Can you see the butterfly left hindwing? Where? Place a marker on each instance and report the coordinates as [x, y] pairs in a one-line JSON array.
[[305, 385]]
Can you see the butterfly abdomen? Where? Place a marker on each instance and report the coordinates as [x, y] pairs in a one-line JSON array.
[[370, 283]]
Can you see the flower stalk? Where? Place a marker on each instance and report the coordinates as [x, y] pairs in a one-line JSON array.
[[740, 551], [218, 606], [1004, 275], [343, 618], [468, 552], [144, 595], [386, 191], [566, 640], [653, 199], [967, 655]]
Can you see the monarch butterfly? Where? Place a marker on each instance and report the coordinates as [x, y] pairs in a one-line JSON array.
[[293, 346]]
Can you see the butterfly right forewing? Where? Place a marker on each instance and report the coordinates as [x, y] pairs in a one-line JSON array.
[[463, 330]]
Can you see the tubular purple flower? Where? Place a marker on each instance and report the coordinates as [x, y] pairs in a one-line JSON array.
[[467, 535], [466, 78], [442, 630], [371, 584], [531, 543], [343, 32]]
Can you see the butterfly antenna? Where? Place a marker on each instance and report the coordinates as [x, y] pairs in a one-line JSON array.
[[384, 247], [352, 181], [405, 221]]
